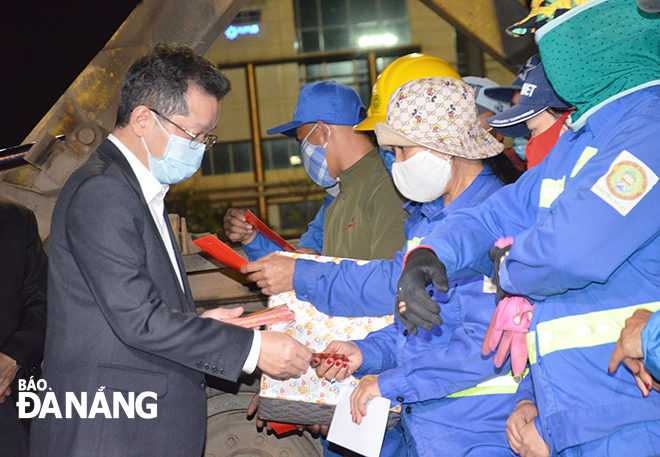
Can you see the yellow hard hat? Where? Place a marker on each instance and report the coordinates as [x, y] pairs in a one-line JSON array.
[[404, 69]]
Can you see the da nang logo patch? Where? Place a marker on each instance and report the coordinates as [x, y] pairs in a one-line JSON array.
[[627, 180], [626, 183]]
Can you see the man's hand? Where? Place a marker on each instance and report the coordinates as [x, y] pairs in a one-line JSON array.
[[365, 391], [237, 228], [223, 314], [628, 350], [281, 356], [332, 368], [413, 306], [521, 432], [272, 273], [8, 370]]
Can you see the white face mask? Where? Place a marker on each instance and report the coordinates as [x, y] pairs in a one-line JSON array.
[[423, 177]]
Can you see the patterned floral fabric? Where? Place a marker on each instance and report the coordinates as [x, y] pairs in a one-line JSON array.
[[316, 330]]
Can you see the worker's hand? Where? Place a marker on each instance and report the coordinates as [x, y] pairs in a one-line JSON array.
[[222, 314], [365, 391], [273, 273], [252, 409], [283, 357], [523, 415], [237, 228], [332, 368], [300, 250], [413, 306], [497, 254], [628, 350], [8, 370]]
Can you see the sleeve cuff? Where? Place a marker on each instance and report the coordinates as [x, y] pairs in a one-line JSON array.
[[253, 357]]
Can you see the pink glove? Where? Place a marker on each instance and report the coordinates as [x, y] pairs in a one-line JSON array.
[[508, 328]]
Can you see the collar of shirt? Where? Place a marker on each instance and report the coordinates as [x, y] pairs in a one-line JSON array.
[[152, 189]]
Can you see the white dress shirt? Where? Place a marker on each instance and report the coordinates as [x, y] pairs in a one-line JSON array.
[[154, 193]]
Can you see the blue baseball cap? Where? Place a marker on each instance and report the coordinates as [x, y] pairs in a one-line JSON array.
[[326, 101], [536, 96], [505, 93]]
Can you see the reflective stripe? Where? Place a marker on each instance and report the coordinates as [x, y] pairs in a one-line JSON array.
[[585, 330], [506, 384], [550, 190], [413, 243], [587, 154], [531, 347]]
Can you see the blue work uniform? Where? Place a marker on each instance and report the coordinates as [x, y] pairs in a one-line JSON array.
[[585, 226], [454, 403], [311, 239]]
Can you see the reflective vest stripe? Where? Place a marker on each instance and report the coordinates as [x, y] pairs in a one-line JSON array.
[[413, 243], [550, 190], [531, 347], [585, 330], [587, 154], [506, 384]]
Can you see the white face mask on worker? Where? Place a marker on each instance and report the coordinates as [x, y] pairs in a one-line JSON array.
[[423, 177]]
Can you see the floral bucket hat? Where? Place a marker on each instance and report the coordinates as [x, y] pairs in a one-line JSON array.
[[542, 12], [439, 114]]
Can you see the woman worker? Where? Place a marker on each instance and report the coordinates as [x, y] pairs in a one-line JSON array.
[[454, 402], [540, 113]]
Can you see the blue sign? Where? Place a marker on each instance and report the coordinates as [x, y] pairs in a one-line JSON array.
[[233, 31]]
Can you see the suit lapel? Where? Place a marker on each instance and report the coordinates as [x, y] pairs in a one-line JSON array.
[[108, 149]]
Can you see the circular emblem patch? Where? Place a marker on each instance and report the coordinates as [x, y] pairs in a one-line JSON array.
[[627, 180], [375, 103]]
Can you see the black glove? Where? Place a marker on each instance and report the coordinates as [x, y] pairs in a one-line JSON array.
[[422, 268], [497, 255]]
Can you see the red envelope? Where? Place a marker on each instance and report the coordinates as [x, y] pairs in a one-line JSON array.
[[220, 251], [267, 232]]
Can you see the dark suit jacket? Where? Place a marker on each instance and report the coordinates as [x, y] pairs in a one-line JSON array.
[[119, 321], [22, 287]]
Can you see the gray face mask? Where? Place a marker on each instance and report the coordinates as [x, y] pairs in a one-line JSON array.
[[519, 145]]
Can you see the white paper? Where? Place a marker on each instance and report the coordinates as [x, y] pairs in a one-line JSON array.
[[365, 438]]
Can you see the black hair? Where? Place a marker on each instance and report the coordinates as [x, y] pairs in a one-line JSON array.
[[503, 168], [161, 79], [371, 136]]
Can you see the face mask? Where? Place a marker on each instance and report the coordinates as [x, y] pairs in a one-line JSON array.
[[179, 162], [600, 51], [423, 177], [315, 162], [519, 145], [540, 145]]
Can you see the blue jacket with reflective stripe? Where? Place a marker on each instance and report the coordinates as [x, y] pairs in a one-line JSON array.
[[311, 239], [578, 258], [424, 369]]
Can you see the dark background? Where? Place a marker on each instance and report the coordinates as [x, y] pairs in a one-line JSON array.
[[44, 46]]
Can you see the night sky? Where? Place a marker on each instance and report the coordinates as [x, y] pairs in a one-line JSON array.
[[45, 45]]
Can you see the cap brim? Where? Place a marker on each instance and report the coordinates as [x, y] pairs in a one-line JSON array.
[[504, 94], [369, 123], [387, 136], [288, 129], [512, 121]]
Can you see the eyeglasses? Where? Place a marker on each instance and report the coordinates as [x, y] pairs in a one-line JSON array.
[[204, 138]]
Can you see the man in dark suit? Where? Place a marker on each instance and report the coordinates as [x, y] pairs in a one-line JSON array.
[[121, 315], [22, 316]]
